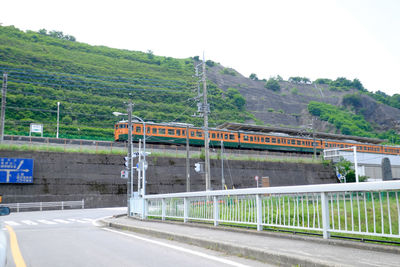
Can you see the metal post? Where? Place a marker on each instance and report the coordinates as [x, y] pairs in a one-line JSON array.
[[144, 170], [355, 162], [163, 207], [58, 118], [139, 172], [222, 165], [206, 144], [131, 173], [185, 209], [216, 211], [129, 153], [3, 106], [325, 215], [259, 212], [187, 161]]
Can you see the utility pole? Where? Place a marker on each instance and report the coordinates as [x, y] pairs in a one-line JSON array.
[[187, 161], [3, 106], [58, 117], [313, 134], [222, 165], [206, 144], [130, 179]]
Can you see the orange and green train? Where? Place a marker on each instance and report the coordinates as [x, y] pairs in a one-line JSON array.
[[163, 133]]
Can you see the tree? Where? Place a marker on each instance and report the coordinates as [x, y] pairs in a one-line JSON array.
[[272, 84], [253, 77], [42, 31]]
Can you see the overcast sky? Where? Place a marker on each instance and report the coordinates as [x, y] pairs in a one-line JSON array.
[[314, 39]]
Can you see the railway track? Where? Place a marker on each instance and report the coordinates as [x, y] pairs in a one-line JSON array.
[[122, 146]]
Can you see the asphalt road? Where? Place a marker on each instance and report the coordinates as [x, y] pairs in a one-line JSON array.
[[72, 238]]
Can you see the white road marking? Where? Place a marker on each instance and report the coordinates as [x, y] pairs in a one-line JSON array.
[[200, 254], [46, 222], [61, 221], [12, 223], [88, 220], [28, 222], [77, 220]]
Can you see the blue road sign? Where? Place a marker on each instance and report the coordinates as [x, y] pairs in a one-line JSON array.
[[16, 170]]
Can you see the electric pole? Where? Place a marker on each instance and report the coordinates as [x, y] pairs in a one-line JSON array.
[[130, 179], [187, 161], [58, 118], [3, 106], [206, 140], [313, 134]]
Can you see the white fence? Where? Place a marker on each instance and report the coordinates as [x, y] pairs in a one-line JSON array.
[[43, 205], [370, 209]]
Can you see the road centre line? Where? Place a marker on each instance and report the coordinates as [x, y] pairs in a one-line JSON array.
[[200, 254], [16, 253]]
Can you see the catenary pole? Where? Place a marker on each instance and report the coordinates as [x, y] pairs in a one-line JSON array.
[[206, 144], [187, 161], [3, 106]]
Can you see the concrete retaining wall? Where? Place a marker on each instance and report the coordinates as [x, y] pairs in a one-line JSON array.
[[96, 178]]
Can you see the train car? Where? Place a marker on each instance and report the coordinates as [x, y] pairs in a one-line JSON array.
[[176, 133], [280, 142]]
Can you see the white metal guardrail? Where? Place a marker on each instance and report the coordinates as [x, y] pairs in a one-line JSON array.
[[42, 205], [370, 209]]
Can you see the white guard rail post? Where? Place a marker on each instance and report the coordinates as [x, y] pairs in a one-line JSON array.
[[370, 209]]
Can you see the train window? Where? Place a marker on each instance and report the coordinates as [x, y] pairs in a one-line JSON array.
[[226, 137], [191, 133], [231, 137], [213, 135], [251, 138], [171, 131], [262, 139], [273, 140], [341, 145], [183, 132], [178, 132], [298, 143], [267, 140], [293, 142], [154, 130], [199, 134], [161, 131], [279, 140], [138, 129], [148, 130], [245, 137], [219, 136], [302, 142]]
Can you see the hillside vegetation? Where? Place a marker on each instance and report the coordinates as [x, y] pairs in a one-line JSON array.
[[93, 81]]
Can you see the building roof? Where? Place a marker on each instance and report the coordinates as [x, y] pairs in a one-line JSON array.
[[295, 132]]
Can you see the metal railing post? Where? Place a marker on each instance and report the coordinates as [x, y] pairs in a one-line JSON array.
[[62, 205], [163, 208], [41, 206], [185, 209], [144, 209], [259, 213], [83, 203], [325, 215], [216, 211], [17, 207]]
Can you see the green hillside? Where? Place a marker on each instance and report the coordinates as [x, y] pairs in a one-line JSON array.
[[93, 81]]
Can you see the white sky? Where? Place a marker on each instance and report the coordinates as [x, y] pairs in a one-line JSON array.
[[310, 38]]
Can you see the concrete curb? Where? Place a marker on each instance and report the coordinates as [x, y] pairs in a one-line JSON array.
[[281, 259], [332, 241]]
